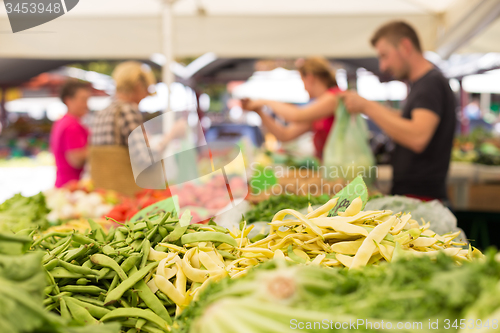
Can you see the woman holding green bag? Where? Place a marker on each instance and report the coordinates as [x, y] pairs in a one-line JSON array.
[[318, 116]]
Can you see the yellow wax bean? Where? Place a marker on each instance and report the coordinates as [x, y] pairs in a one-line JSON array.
[[157, 255], [266, 252], [429, 233], [374, 259], [310, 209], [365, 251], [329, 205], [152, 286], [354, 208], [385, 250], [331, 262], [194, 274], [350, 247], [344, 260], [323, 246], [168, 289], [318, 260], [180, 280], [264, 241], [301, 254], [335, 224], [217, 258], [414, 224], [423, 242], [278, 254], [402, 221], [300, 217], [206, 261], [173, 247]]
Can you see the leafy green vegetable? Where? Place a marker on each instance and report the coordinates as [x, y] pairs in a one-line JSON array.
[[276, 296], [20, 212], [265, 210]]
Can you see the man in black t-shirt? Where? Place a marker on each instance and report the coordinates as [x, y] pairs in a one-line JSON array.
[[424, 131]]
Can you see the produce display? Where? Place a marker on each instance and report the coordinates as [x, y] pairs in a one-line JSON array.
[[157, 272], [477, 147], [409, 295]]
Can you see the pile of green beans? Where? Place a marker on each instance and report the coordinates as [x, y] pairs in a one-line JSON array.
[[100, 276]]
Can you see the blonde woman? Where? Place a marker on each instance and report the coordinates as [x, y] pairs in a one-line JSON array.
[[111, 166], [317, 116]]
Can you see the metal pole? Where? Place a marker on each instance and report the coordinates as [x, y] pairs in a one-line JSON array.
[[168, 51]]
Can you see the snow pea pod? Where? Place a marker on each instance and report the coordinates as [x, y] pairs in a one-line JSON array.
[[208, 236]]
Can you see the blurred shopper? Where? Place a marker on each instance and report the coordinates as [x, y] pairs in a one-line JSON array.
[[110, 160], [68, 138], [318, 116], [424, 132]]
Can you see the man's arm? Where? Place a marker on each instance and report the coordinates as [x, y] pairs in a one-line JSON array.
[[414, 134], [77, 157]]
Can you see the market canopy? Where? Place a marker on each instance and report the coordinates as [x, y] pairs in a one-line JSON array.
[[122, 29]]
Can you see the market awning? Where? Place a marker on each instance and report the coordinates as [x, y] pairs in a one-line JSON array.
[[121, 29]]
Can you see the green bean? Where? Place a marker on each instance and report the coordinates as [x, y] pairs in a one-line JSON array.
[[116, 293], [52, 254], [50, 234], [149, 223], [78, 269], [152, 301], [108, 249], [89, 300], [92, 290], [151, 329], [46, 302], [64, 310], [152, 233], [176, 234], [87, 264], [164, 218], [111, 234], [137, 313], [123, 230], [47, 290], [105, 261], [96, 311], [227, 255], [79, 313], [81, 239], [169, 227], [77, 253], [51, 307], [62, 273], [145, 252], [132, 330], [135, 245], [52, 282], [51, 264], [119, 236], [208, 236], [82, 281], [129, 240], [114, 283], [140, 322], [128, 263], [164, 298], [46, 245], [139, 226], [103, 273], [157, 238], [138, 235], [163, 232]]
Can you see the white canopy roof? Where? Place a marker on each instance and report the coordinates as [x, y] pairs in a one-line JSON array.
[[245, 28]]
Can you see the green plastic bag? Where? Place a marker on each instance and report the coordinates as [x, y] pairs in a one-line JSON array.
[[347, 153]]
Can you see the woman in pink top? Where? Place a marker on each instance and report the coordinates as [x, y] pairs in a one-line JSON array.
[[318, 116], [68, 138]]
